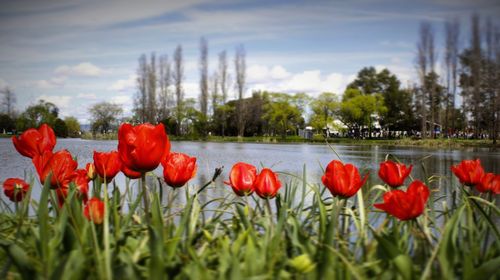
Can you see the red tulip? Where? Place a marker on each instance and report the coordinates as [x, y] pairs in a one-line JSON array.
[[393, 174], [469, 172], [178, 168], [107, 165], [242, 178], [267, 184], [90, 168], [35, 142], [142, 147], [94, 210], [61, 165], [131, 173], [82, 187], [15, 189], [406, 205], [489, 183], [342, 180]]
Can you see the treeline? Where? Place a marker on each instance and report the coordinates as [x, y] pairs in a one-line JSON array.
[[471, 72], [12, 122], [375, 104]]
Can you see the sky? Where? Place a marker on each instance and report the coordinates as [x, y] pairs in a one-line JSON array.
[[78, 53]]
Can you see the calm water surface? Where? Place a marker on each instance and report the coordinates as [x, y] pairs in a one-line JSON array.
[[286, 158]]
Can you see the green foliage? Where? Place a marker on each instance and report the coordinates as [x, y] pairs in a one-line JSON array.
[[283, 113], [73, 126], [358, 110], [60, 128], [104, 117], [7, 124], [324, 109], [35, 115]]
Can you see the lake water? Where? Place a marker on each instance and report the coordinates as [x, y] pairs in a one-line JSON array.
[[286, 158]]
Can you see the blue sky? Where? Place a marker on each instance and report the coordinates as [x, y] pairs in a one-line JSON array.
[[77, 53]]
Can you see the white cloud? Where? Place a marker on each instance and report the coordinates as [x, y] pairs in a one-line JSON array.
[[55, 82], [312, 81], [90, 96], [121, 99], [124, 84], [260, 73], [83, 69], [278, 72]]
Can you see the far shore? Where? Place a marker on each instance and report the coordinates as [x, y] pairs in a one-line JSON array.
[[318, 139]]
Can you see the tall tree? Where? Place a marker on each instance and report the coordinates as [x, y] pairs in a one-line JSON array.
[[434, 96], [178, 77], [8, 101], [475, 71], [496, 76], [140, 102], [452, 31], [423, 46], [492, 81], [151, 107], [203, 76], [165, 80], [214, 85], [240, 72], [224, 78]]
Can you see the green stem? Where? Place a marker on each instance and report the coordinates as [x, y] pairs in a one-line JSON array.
[[107, 252], [270, 213], [145, 196]]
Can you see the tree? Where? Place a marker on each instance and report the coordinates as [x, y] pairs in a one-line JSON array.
[[35, 115], [398, 114], [141, 100], [357, 110], [60, 128], [165, 81], [452, 33], [104, 117], [324, 109], [178, 77], [8, 101], [423, 45], [151, 108], [7, 124], [73, 126], [283, 114], [204, 77], [224, 78], [240, 70], [214, 92]]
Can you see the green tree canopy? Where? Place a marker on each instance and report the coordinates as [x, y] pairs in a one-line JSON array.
[[35, 115], [324, 109], [104, 116], [60, 128], [283, 113], [73, 126], [358, 111]]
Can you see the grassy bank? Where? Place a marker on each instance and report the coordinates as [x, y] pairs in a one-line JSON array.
[[318, 139]]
